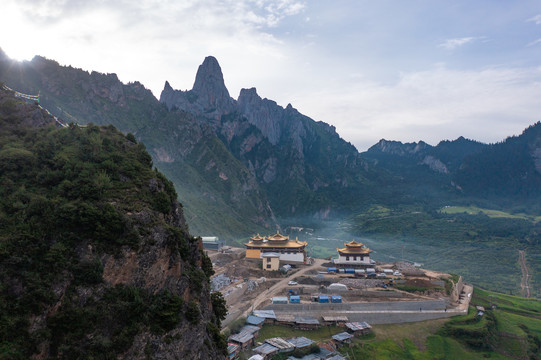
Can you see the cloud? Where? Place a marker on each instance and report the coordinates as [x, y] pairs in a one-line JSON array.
[[431, 105], [535, 42], [150, 40], [536, 19], [451, 44]]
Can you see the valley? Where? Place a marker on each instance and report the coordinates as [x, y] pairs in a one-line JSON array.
[[239, 167]]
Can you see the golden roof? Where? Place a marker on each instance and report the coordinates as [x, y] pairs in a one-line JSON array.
[[257, 238], [281, 244], [277, 237], [354, 243], [354, 247], [354, 251]]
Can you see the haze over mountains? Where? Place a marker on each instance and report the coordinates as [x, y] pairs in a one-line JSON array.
[[244, 165]]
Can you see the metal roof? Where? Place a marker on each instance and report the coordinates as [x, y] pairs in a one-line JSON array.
[[343, 336], [242, 337], [256, 357], [250, 329], [267, 314], [337, 357], [266, 349], [255, 320], [231, 348], [280, 343], [335, 318], [307, 357], [286, 318], [210, 239], [306, 320], [282, 299], [356, 326], [300, 342]]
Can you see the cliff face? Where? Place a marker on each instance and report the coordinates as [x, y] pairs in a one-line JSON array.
[[96, 259], [304, 167]]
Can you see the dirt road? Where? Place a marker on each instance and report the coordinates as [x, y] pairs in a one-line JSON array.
[[525, 281], [272, 291]]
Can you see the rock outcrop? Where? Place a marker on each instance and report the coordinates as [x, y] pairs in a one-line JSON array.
[[208, 96]]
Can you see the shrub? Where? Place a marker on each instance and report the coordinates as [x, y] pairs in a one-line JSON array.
[[192, 312]]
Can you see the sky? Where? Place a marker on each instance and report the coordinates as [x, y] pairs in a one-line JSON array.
[[428, 70]]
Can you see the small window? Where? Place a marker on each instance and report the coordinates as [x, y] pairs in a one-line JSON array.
[[268, 266], [347, 258]]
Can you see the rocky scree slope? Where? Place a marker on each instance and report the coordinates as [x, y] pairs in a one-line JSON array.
[[95, 256]]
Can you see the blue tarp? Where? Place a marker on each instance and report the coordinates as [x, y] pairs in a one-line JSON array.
[[332, 269]]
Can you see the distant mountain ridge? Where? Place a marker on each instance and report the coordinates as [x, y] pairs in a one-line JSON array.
[[248, 164], [506, 172]]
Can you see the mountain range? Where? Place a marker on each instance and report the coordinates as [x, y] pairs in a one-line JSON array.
[[246, 165]]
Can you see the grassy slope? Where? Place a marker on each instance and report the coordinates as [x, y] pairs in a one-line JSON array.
[[489, 212], [481, 248]]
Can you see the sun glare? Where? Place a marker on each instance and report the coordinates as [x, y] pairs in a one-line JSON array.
[[18, 38]]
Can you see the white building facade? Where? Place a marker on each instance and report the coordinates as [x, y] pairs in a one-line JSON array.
[[353, 254]]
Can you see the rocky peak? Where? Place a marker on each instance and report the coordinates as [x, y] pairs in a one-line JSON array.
[[167, 86], [209, 78], [208, 97]]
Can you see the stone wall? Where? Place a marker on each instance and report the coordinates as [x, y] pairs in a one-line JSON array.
[[387, 312]]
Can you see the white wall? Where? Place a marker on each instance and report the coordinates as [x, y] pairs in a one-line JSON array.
[[342, 260], [298, 257]]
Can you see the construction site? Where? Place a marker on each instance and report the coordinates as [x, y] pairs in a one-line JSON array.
[[386, 293]]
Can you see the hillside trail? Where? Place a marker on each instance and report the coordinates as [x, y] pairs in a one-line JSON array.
[[525, 280]]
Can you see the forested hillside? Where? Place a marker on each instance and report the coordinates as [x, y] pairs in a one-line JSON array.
[[95, 256], [220, 195]]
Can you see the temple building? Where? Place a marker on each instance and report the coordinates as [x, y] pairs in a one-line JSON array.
[[353, 254], [289, 250]]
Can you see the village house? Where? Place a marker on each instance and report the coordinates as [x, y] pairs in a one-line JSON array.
[[246, 337], [358, 328]]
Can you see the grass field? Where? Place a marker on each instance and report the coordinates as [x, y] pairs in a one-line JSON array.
[[322, 334], [473, 210]]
